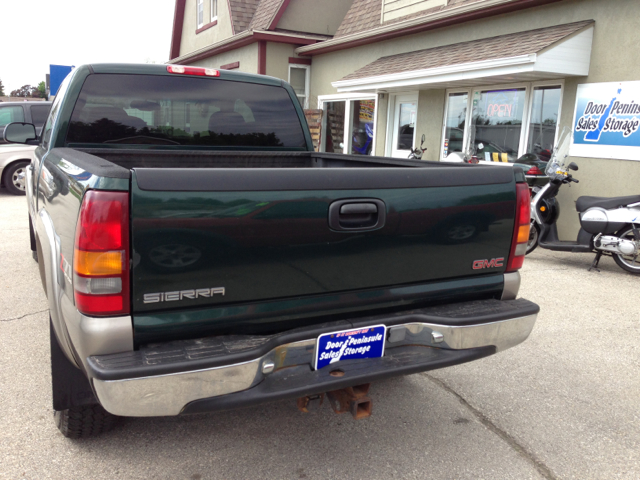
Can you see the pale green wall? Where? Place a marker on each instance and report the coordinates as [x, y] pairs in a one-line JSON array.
[[278, 59], [247, 56], [313, 16], [429, 121], [190, 41], [616, 40]]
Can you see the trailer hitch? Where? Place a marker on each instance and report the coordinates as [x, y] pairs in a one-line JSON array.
[[350, 399]]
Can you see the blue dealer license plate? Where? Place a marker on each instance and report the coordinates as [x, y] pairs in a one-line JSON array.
[[350, 345]]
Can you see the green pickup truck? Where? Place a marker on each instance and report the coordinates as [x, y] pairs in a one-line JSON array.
[[198, 255]]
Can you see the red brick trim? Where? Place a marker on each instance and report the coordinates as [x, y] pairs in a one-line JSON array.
[[300, 61], [230, 66], [248, 40], [278, 16], [176, 34], [207, 26], [262, 57]]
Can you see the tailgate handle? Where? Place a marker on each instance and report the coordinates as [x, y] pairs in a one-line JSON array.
[[357, 215], [358, 208]]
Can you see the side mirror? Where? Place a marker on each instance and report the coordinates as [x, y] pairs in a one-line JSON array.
[[20, 133], [573, 166]]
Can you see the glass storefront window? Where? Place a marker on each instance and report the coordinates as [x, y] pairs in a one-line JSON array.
[[348, 125], [361, 132], [334, 130], [406, 124], [497, 123], [455, 122], [496, 127], [545, 106]]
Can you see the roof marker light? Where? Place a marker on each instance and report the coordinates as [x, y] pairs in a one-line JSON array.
[[198, 71]]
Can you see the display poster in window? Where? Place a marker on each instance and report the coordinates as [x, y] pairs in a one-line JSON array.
[[367, 108], [607, 121]]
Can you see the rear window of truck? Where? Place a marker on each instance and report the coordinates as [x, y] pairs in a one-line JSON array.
[[169, 110]]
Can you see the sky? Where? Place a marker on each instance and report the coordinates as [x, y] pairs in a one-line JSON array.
[[38, 33]]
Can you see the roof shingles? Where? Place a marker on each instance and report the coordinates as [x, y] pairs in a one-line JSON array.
[[242, 11], [363, 15], [265, 12], [367, 14], [512, 45]]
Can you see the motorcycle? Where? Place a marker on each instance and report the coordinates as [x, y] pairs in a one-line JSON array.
[[609, 226], [416, 153], [362, 140]]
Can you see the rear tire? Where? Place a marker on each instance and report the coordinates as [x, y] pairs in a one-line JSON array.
[[83, 422], [534, 235], [15, 178], [628, 262]]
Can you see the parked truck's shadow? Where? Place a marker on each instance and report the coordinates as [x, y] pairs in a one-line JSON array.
[[413, 421]]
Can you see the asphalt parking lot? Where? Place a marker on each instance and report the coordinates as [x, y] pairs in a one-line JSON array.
[[564, 404]]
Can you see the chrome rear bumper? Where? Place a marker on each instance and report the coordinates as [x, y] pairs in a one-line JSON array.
[[169, 394]]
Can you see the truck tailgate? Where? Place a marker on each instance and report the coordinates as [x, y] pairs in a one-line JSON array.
[[228, 237]]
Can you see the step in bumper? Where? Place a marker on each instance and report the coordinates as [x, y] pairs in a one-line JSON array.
[[219, 373]]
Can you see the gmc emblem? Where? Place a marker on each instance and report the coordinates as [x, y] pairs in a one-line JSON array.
[[493, 263]]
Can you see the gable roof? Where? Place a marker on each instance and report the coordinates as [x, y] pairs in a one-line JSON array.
[[266, 12], [512, 45], [251, 20], [242, 12]]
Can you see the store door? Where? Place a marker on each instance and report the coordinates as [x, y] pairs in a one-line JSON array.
[[404, 121]]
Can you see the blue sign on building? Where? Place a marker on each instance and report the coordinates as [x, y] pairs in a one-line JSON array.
[[607, 121], [57, 73]]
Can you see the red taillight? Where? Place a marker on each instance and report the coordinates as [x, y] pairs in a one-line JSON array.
[[534, 171], [521, 228], [198, 71], [101, 255]]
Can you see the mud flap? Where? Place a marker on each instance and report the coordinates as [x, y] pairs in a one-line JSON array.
[[70, 387]]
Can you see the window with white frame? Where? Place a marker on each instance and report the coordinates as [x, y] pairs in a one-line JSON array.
[[299, 80], [348, 123], [214, 10], [502, 123], [199, 13]]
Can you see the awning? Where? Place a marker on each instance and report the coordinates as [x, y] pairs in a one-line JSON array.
[[546, 53]]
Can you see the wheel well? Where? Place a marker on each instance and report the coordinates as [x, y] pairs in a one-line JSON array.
[[8, 166], [32, 236]]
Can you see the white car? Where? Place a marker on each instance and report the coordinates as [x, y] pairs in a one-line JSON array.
[[13, 164]]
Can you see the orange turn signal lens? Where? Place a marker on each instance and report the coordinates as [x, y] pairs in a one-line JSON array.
[[523, 234], [98, 263]]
